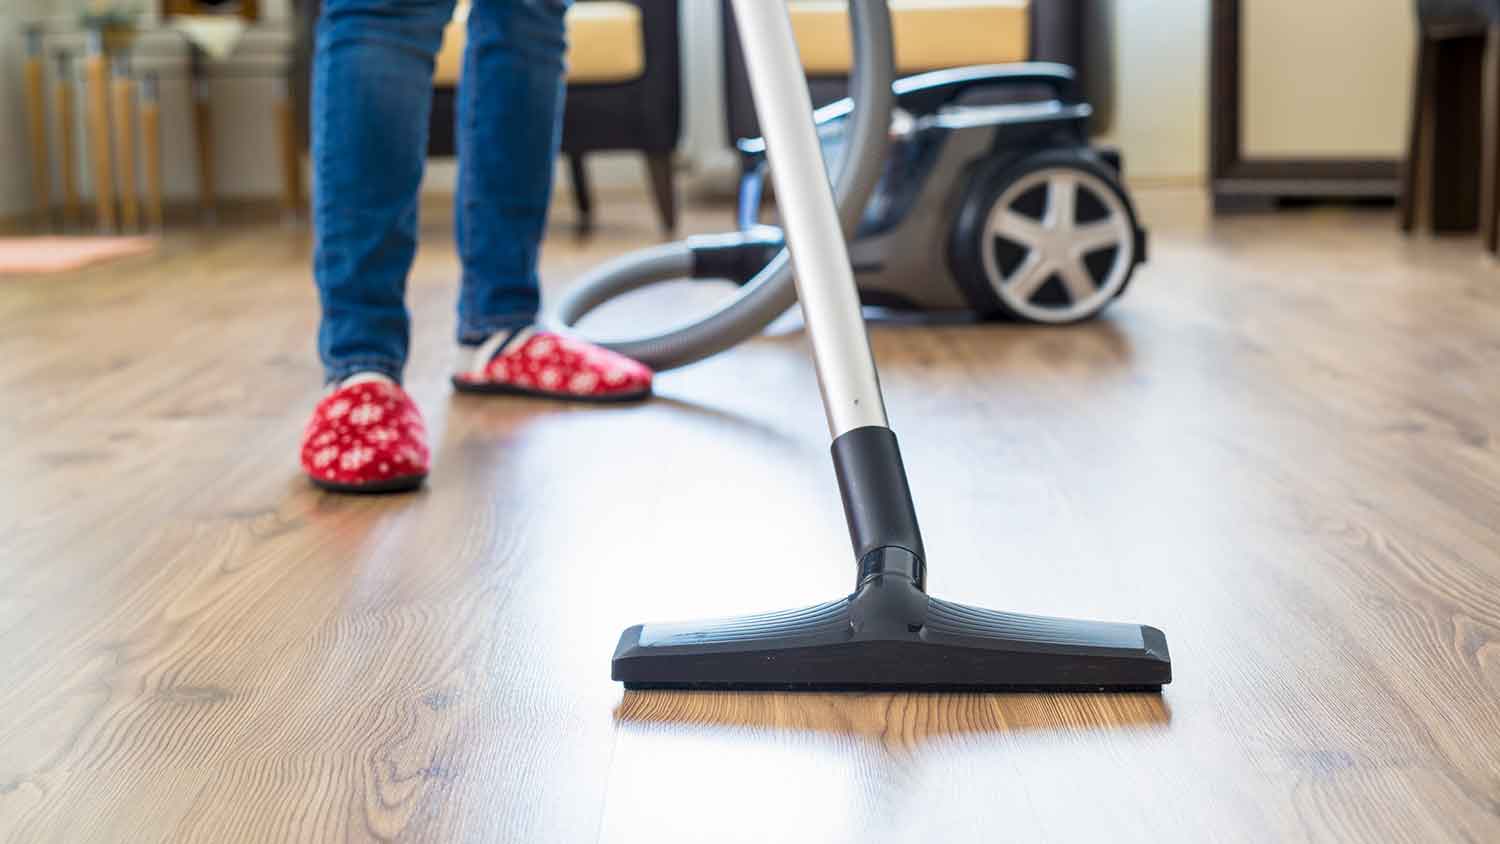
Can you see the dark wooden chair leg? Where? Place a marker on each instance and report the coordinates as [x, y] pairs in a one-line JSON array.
[[1457, 127], [663, 189], [1489, 201], [1416, 167], [583, 195]]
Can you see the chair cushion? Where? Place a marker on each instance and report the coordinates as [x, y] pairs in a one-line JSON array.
[[605, 44], [930, 34]]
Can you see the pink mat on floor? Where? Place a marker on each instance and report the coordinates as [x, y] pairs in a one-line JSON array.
[[59, 254]]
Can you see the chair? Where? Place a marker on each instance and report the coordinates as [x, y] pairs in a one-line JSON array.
[[1452, 172], [624, 91]]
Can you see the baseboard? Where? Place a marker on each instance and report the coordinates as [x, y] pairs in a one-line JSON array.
[[1173, 181]]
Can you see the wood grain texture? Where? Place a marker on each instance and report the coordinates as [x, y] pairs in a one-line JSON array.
[[1281, 447]]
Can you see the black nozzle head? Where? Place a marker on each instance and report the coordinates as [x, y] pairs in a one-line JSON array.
[[890, 635]]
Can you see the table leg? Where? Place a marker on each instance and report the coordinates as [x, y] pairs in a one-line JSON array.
[[293, 197], [96, 77], [124, 125], [67, 162], [151, 141], [203, 133], [1416, 175], [1489, 187], [36, 118]]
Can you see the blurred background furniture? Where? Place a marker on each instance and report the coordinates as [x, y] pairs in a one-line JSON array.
[[110, 93], [1450, 182], [929, 35], [247, 9], [1299, 110], [114, 70], [34, 70], [624, 90]]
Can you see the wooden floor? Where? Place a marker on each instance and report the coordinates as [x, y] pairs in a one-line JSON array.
[[1282, 447]]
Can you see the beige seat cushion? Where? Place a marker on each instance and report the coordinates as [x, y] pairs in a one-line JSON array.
[[930, 34], [605, 44]]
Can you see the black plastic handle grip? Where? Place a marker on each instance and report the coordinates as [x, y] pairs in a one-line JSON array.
[[877, 498]]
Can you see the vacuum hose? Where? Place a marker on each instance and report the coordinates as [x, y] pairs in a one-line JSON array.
[[756, 255]]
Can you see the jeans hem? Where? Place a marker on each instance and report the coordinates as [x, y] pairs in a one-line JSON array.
[[336, 372], [474, 331]]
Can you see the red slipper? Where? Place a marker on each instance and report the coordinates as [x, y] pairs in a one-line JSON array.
[[552, 365], [366, 436]]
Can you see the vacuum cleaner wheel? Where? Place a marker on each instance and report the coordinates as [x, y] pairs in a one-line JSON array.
[[1052, 237]]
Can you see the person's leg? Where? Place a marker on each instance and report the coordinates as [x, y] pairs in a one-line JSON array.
[[372, 91], [509, 123]]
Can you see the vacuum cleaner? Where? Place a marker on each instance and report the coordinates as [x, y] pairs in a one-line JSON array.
[[973, 189], [888, 633], [993, 162]]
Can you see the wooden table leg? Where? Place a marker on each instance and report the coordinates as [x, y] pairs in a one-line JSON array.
[[663, 189], [36, 119], [1457, 127], [583, 194], [1489, 188], [151, 143], [203, 134], [1416, 174], [124, 125], [96, 77], [67, 162]]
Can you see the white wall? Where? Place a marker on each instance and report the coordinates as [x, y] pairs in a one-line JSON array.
[[705, 143], [1310, 89], [1161, 88]]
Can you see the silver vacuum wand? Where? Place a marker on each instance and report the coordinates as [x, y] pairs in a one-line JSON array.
[[825, 280], [768, 288]]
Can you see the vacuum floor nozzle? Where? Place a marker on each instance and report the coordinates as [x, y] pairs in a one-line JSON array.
[[890, 635]]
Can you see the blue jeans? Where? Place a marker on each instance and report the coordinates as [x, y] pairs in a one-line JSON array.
[[372, 94]]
